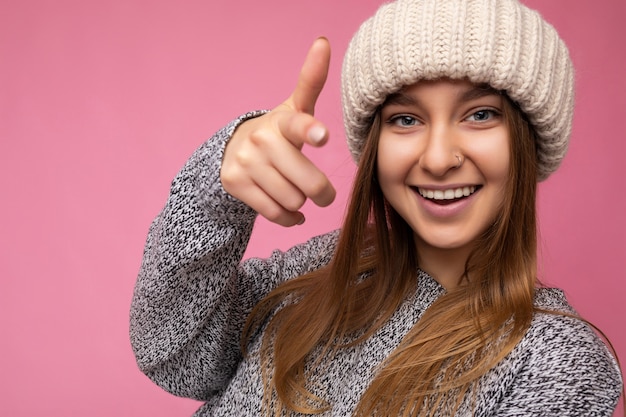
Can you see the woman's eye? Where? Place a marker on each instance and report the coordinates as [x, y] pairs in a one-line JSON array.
[[403, 121], [482, 115]]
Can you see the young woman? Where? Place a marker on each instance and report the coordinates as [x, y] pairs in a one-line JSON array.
[[426, 302]]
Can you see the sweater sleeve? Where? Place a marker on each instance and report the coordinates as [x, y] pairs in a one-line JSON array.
[[567, 371], [193, 294]]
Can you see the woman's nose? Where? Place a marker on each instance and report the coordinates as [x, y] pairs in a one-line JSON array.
[[440, 153]]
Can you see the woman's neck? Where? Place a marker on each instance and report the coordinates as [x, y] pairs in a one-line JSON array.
[[446, 266]]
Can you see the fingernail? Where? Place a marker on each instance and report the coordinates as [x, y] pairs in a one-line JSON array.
[[317, 133], [302, 220], [322, 37]]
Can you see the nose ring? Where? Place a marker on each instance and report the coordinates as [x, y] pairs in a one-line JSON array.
[[458, 157]]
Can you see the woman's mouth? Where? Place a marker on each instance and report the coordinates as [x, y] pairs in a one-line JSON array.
[[447, 196]]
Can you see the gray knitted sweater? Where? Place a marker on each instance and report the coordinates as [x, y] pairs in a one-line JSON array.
[[193, 295]]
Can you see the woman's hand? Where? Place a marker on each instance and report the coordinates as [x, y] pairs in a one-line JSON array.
[[263, 164]]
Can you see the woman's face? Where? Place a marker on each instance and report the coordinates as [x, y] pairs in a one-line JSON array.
[[443, 161]]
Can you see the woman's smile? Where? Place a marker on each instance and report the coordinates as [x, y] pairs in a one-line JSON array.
[[446, 195], [446, 203]]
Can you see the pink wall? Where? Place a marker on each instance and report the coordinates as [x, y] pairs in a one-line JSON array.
[[101, 102]]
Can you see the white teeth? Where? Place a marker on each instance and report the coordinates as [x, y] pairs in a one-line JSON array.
[[450, 194]]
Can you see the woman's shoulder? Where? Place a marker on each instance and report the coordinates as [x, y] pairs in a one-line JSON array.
[[561, 345], [560, 364], [556, 326]]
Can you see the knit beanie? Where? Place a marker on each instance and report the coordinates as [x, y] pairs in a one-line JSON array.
[[498, 42]]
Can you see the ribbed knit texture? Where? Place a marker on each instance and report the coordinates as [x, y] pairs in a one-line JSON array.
[[498, 42]]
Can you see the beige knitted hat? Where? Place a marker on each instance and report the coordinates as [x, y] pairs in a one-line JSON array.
[[498, 42]]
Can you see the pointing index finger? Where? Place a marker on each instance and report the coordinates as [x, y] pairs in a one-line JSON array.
[[312, 76]]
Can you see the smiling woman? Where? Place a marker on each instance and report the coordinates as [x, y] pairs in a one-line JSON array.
[[427, 301]]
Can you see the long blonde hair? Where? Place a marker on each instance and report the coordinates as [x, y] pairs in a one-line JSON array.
[[459, 338]]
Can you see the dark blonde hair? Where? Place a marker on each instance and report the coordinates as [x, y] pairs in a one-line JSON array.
[[460, 337]]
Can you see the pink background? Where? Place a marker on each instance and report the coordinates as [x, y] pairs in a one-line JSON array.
[[101, 102]]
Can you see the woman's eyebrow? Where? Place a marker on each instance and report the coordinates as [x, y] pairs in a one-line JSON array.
[[400, 98], [478, 92]]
